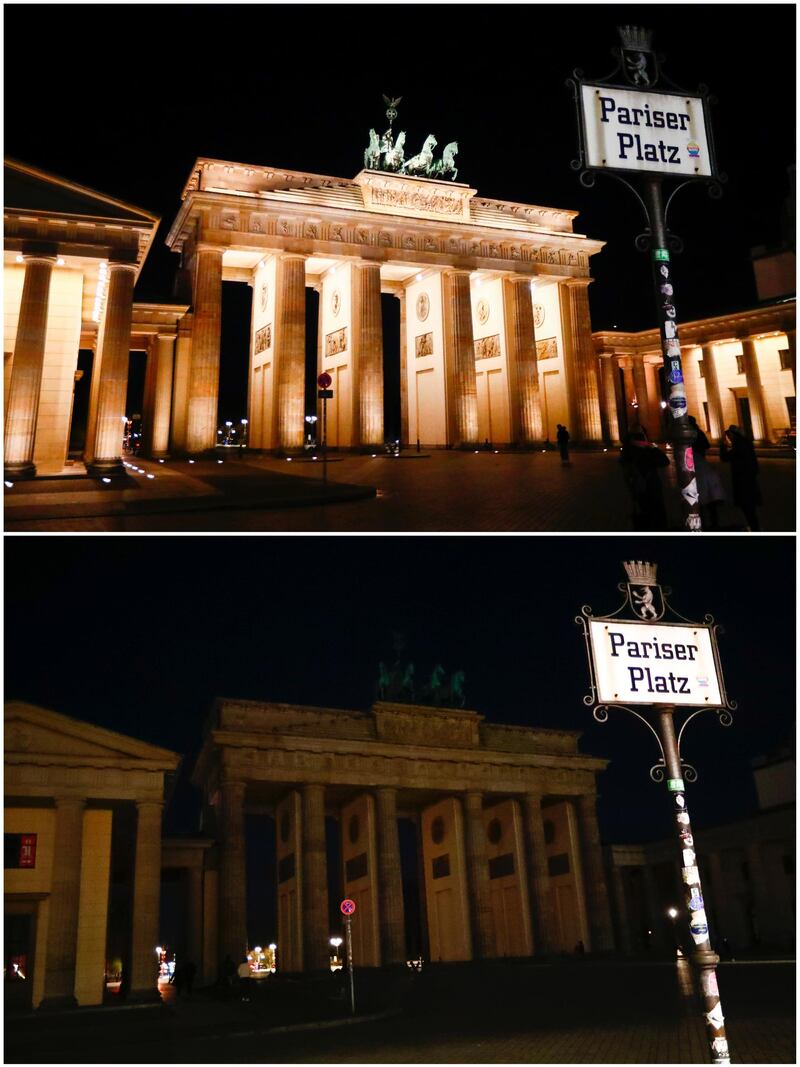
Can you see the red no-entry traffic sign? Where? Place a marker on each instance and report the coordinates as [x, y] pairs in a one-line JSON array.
[[347, 907], [324, 380]]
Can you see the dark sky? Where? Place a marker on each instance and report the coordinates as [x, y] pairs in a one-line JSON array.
[[298, 86], [140, 634]]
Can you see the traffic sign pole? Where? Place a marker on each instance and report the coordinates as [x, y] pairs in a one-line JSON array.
[[324, 382], [349, 944]]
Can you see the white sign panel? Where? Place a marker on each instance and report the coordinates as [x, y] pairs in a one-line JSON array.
[[629, 130], [652, 663]]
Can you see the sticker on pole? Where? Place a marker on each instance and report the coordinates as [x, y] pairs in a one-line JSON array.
[[347, 907]]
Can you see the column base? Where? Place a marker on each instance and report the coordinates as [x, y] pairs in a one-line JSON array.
[[64, 1003], [19, 472], [105, 468], [144, 996]]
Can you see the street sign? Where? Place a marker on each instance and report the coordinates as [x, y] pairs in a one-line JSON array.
[[347, 907], [652, 133], [325, 394], [654, 663], [324, 381]]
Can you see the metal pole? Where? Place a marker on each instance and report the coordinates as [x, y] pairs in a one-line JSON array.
[[682, 434], [325, 440], [349, 940], [703, 957]]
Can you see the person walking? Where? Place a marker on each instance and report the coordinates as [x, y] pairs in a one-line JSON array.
[[562, 437], [245, 980], [709, 484], [641, 462], [740, 453]]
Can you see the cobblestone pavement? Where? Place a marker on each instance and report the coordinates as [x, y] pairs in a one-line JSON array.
[[576, 1012], [453, 491]]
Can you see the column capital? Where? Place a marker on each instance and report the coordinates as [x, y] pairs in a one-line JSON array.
[[576, 283], [66, 801], [149, 805], [119, 264], [285, 256], [474, 799], [205, 246], [39, 257], [166, 336], [527, 278], [454, 272]]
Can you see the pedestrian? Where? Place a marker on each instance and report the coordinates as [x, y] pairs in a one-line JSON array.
[[738, 450], [189, 971], [227, 973], [580, 949], [244, 973], [178, 979], [641, 462], [709, 484], [562, 436]]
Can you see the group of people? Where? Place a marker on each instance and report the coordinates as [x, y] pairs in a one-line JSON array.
[[642, 459]]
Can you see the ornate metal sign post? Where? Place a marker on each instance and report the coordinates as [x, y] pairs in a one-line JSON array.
[[655, 133], [661, 666], [348, 908]]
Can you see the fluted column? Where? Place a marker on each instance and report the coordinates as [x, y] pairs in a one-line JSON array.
[[404, 438], [390, 886], [146, 901], [755, 393], [22, 405], [62, 927], [290, 342], [715, 417], [201, 422], [640, 385], [368, 354], [461, 388], [526, 404], [483, 936], [544, 926], [161, 411], [180, 384], [195, 910], [232, 874], [620, 897], [609, 365], [315, 880], [576, 326], [594, 876], [105, 450]]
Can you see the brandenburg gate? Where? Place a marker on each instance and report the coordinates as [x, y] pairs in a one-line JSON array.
[[495, 332], [509, 858]]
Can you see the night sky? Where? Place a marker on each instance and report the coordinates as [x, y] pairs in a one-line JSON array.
[[299, 86], [141, 634]]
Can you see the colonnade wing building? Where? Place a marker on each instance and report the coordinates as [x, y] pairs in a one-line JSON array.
[[473, 330], [509, 858]]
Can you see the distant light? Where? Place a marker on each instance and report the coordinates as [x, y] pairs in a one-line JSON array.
[[219, 461], [288, 459], [161, 461], [257, 948], [336, 941], [59, 262], [533, 286], [476, 451], [418, 278], [544, 450], [314, 458], [159, 950], [373, 455], [151, 475], [9, 485], [273, 947], [20, 259], [219, 432], [605, 450], [663, 404], [496, 451], [191, 461], [106, 480], [244, 422], [229, 424], [673, 913]]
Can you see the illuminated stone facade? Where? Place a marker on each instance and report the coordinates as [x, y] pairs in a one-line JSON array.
[[504, 817], [465, 269], [79, 792], [739, 369]]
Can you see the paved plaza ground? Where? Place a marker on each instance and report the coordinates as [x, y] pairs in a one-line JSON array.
[[441, 491], [572, 1012]]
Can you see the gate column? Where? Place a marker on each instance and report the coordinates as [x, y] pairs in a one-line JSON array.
[[594, 876], [290, 349], [201, 423], [233, 874], [104, 439], [461, 388], [26, 369], [526, 405], [146, 901], [390, 887], [368, 355], [715, 418], [315, 880], [538, 875], [755, 392], [478, 878], [609, 371], [580, 359], [62, 928]]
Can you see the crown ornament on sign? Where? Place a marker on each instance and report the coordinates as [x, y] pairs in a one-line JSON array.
[[636, 38], [641, 573]]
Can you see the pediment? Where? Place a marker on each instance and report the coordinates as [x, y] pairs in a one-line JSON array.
[[31, 731], [29, 189]]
